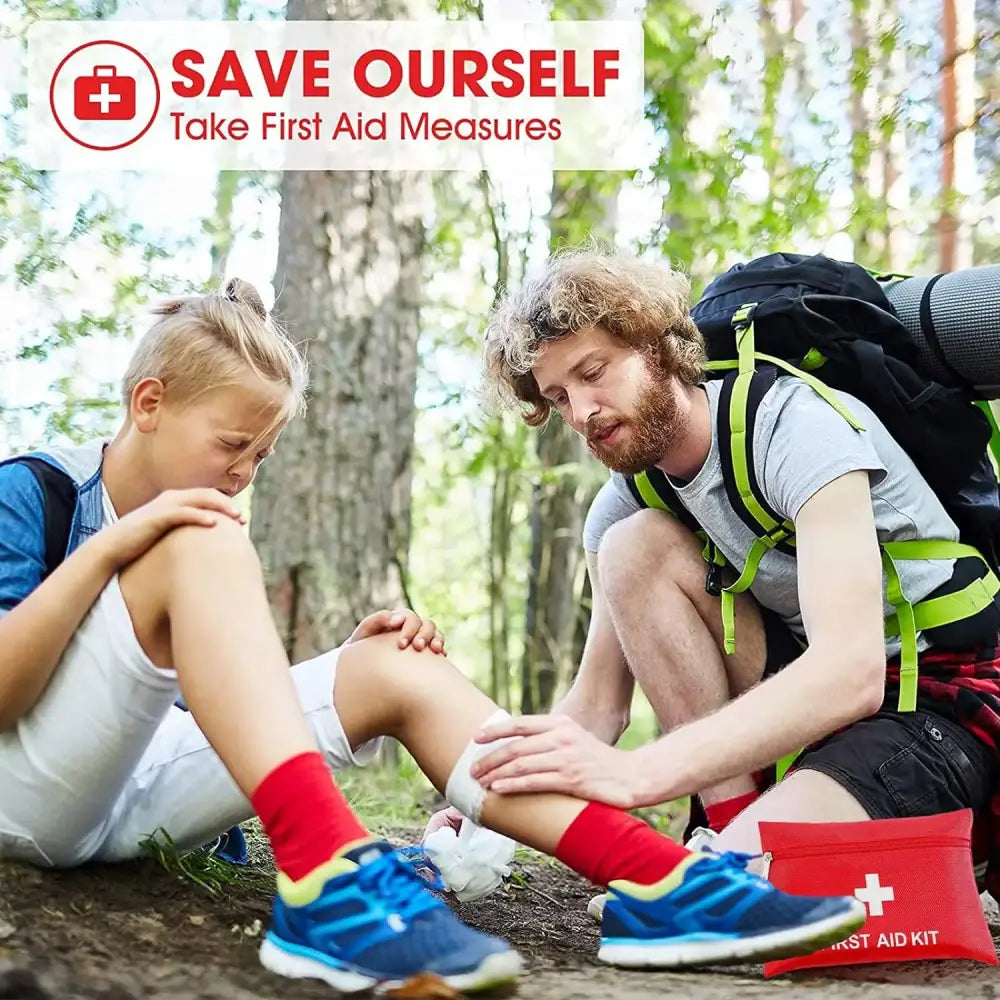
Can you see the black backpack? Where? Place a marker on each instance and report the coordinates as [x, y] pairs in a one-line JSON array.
[[830, 323], [59, 496]]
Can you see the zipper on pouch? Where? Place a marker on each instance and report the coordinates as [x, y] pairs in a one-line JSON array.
[[797, 854]]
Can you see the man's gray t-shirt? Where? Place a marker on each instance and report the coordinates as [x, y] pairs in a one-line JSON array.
[[800, 445]]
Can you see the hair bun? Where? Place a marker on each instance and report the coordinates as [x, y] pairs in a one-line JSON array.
[[243, 293]]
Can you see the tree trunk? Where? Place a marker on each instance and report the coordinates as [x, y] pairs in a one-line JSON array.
[[331, 512], [559, 499], [503, 487], [772, 79], [796, 19], [220, 225], [958, 115], [898, 241], [864, 186]]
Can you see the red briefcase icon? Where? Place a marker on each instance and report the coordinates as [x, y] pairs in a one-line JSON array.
[[104, 96]]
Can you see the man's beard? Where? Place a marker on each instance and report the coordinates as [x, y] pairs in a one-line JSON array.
[[651, 431]]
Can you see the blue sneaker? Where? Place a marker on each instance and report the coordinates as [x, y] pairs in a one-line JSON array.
[[366, 919], [711, 911]]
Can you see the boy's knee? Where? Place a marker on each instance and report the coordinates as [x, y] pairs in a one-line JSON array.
[[378, 684], [226, 540], [383, 670]]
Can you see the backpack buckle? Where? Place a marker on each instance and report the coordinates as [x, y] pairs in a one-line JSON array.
[[713, 580], [743, 317]]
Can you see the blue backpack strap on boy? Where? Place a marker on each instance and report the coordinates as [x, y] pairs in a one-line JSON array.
[[59, 496]]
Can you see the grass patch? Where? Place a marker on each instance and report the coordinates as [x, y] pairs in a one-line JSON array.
[[387, 797], [203, 868]]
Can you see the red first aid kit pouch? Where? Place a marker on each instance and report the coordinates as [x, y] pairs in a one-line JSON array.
[[913, 875]]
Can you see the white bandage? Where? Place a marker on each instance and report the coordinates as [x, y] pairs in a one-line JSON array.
[[473, 862], [462, 790]]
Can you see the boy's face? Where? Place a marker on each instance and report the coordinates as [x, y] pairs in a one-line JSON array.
[[217, 440], [626, 408]]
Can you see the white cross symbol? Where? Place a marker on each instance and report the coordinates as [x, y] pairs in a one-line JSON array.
[[105, 98], [874, 894]]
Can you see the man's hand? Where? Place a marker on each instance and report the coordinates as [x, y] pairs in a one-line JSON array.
[[556, 755], [420, 633]]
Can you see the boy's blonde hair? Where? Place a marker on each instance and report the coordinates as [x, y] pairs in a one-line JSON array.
[[203, 342]]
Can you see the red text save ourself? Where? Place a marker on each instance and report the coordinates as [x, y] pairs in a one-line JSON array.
[[423, 73]]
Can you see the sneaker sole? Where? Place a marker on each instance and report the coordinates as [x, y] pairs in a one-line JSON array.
[[790, 943], [495, 970]]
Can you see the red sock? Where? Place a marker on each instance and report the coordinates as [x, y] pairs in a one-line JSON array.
[[305, 816], [603, 844], [721, 814]]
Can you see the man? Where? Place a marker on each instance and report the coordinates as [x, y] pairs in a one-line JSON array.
[[607, 343]]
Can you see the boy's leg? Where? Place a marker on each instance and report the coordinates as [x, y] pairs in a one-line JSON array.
[[658, 886], [181, 786], [435, 711]]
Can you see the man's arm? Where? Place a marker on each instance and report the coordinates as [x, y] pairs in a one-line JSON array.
[[601, 695], [839, 679]]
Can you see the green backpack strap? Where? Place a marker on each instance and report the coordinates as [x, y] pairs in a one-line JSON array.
[[648, 495], [909, 619], [740, 398]]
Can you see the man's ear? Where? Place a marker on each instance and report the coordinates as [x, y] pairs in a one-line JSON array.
[[146, 404]]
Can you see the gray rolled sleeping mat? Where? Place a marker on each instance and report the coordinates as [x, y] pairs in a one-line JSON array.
[[955, 319]]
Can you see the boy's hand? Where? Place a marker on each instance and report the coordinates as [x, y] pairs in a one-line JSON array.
[[413, 630], [140, 530], [444, 817]]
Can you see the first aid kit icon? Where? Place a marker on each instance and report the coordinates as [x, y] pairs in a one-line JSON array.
[[104, 96]]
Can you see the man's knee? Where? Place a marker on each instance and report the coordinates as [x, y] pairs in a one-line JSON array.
[[646, 543], [805, 796]]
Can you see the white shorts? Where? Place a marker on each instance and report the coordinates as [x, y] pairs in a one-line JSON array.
[[105, 758]]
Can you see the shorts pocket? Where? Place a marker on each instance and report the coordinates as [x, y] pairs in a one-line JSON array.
[[933, 773]]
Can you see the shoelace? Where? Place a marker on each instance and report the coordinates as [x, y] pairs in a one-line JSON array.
[[730, 863], [727, 860], [398, 886]]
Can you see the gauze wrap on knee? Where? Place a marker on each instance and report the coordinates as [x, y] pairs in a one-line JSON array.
[[462, 790]]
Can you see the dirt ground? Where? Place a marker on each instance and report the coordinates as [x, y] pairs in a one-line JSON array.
[[136, 931]]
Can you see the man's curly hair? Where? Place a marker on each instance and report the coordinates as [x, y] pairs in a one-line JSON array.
[[643, 304]]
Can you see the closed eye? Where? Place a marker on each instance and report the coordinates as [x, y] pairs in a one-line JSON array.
[[593, 374]]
